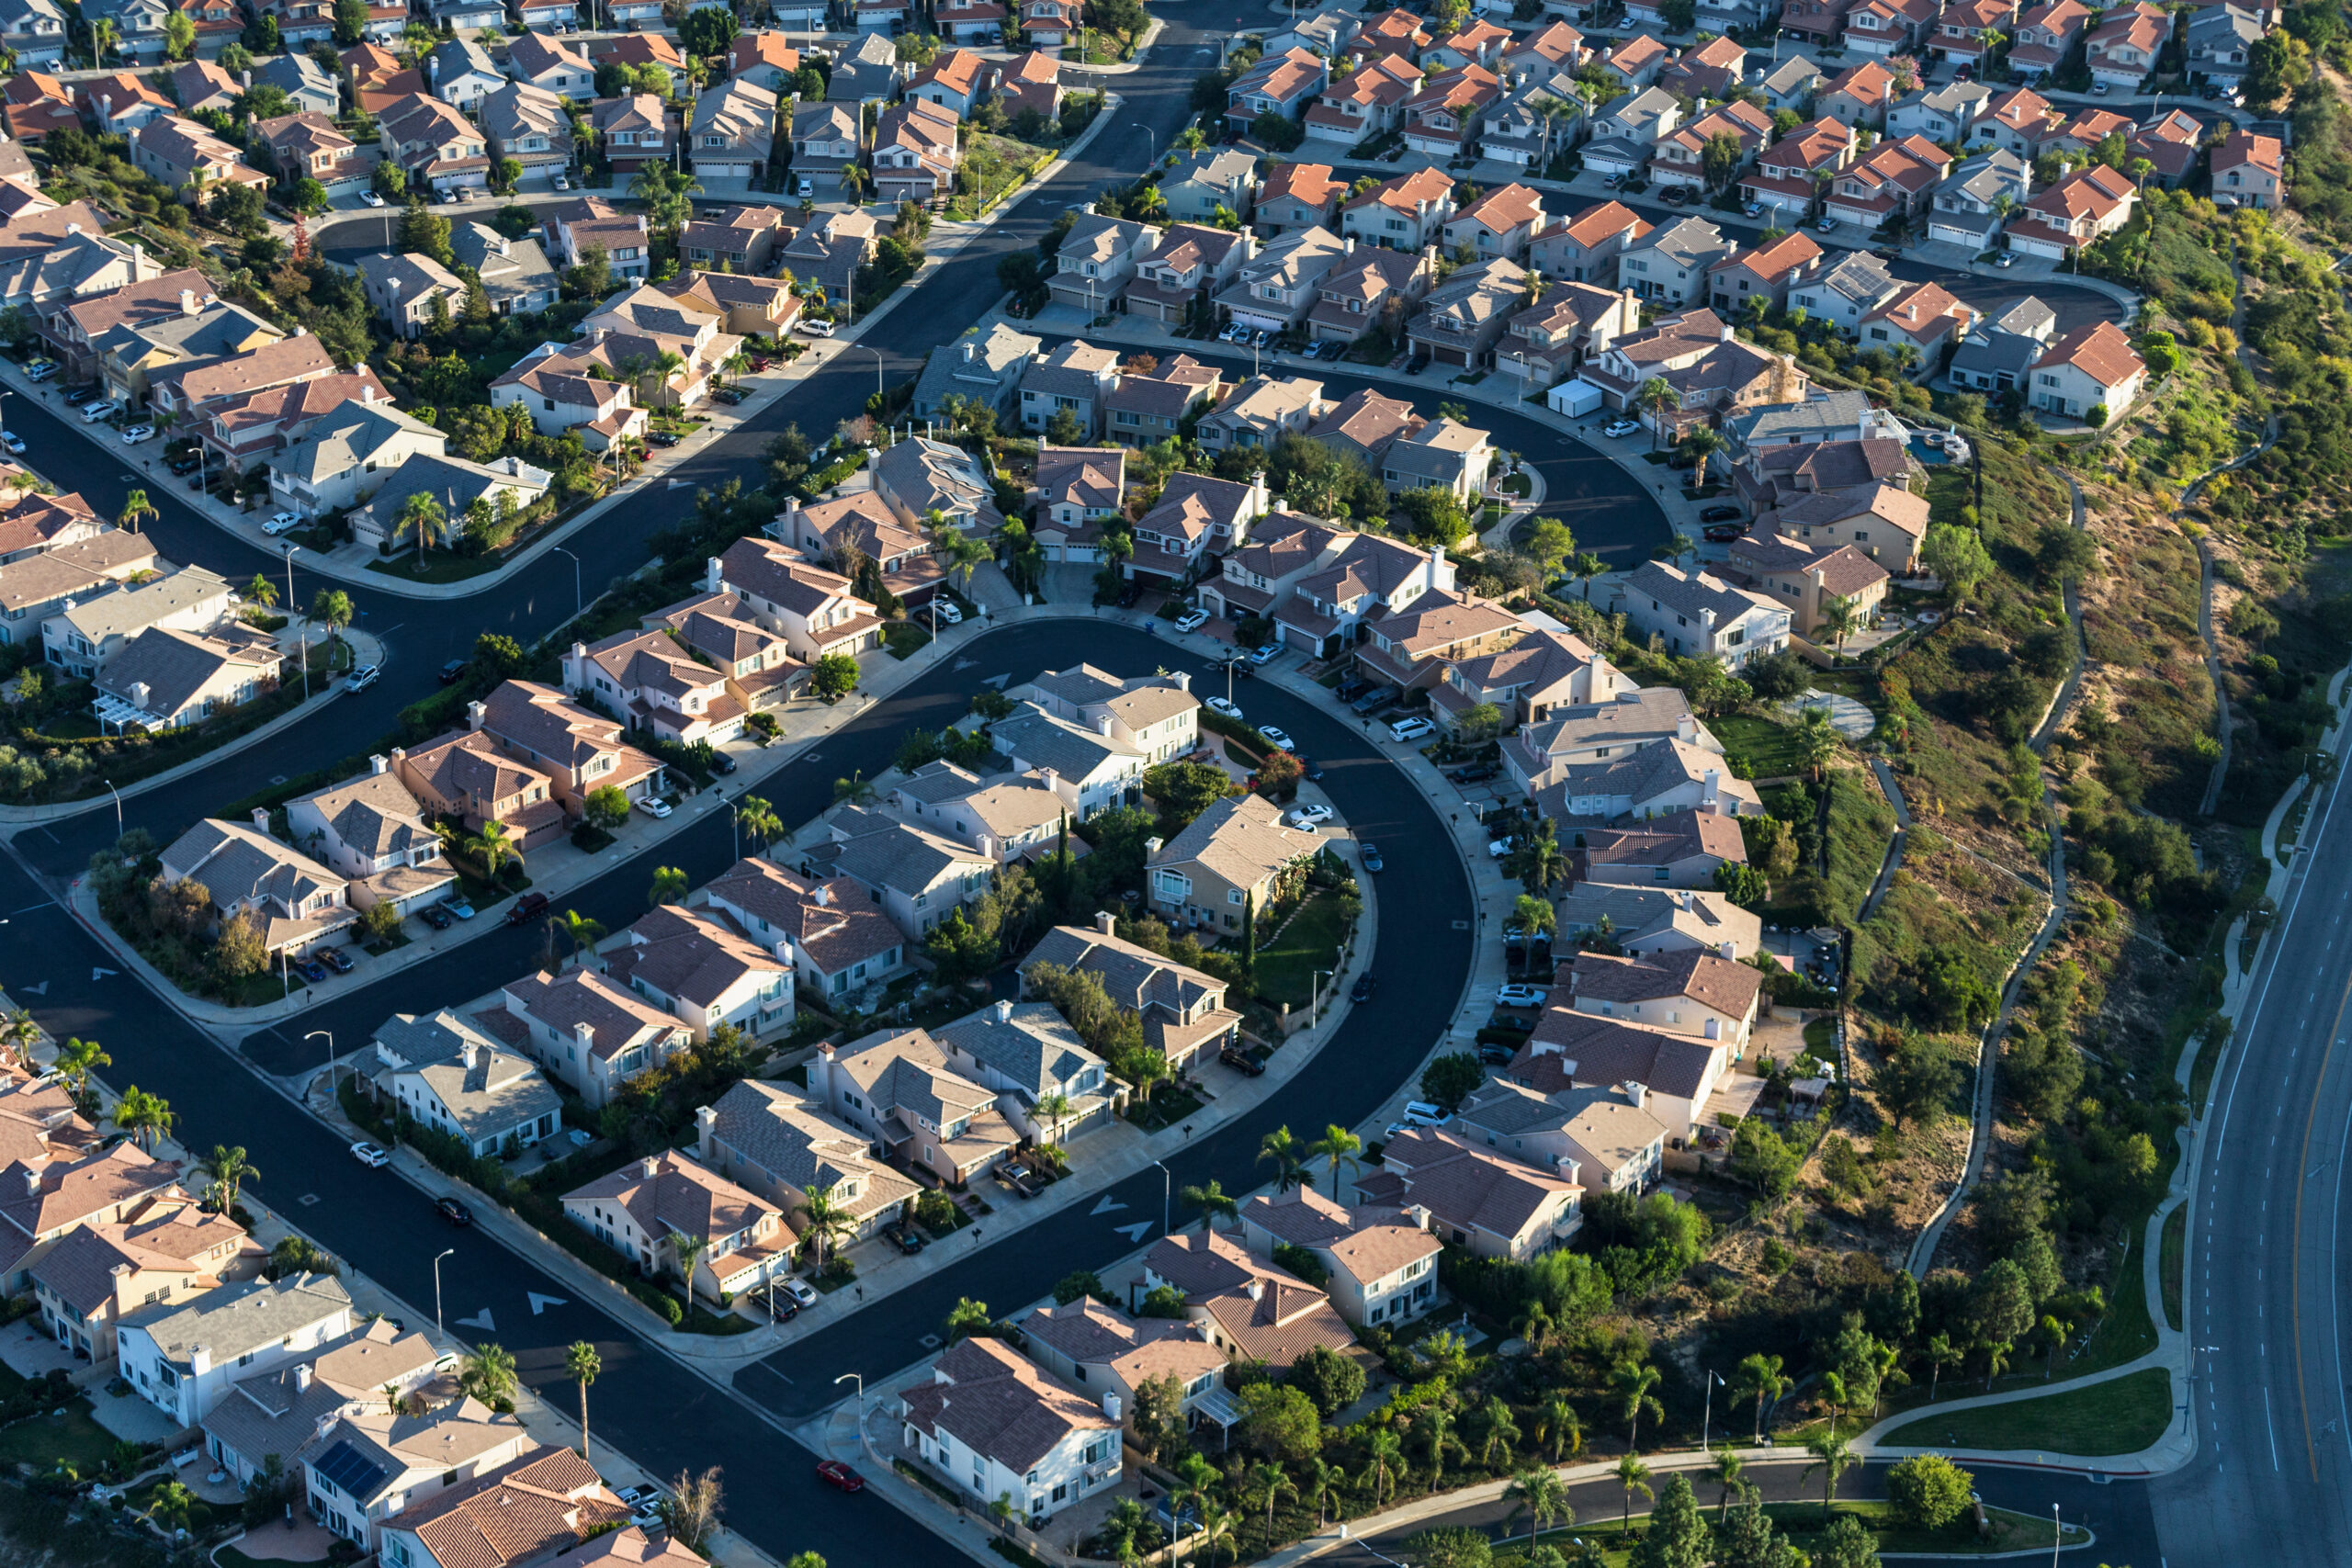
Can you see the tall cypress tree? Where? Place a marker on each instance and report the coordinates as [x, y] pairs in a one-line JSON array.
[[1249, 935]]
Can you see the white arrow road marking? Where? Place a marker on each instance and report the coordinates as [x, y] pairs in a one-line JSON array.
[[1134, 1231], [479, 1320], [541, 1303], [40, 990], [1104, 1206], [98, 974], [997, 680], [964, 664]]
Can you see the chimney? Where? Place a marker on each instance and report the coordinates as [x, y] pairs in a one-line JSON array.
[[580, 650], [199, 1358], [649, 1166], [970, 349], [301, 1377], [1348, 246], [1103, 725], [1152, 847], [824, 896], [714, 575], [1637, 1092], [188, 302], [1183, 679], [73, 228], [1104, 921], [261, 817], [585, 1033], [1047, 777], [1257, 1290], [1686, 729], [1002, 1012], [1726, 332], [475, 714], [32, 1182], [1111, 1405], [1419, 1214], [377, 763], [1708, 791], [472, 1054]]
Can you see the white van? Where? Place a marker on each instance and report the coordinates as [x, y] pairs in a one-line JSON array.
[[1421, 1114], [1410, 729]]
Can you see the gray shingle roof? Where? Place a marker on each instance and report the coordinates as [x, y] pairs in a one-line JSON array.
[[1029, 1045], [236, 1319]]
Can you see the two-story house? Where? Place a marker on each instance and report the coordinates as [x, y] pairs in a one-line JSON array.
[[813, 610], [374, 831], [777, 1140], [1190, 262], [1148, 407], [588, 1030], [437, 147], [899, 1088], [1274, 289], [1669, 266], [1182, 1009], [668, 1214], [1278, 84], [1097, 258], [296, 902], [1407, 212], [995, 1426], [1701, 616], [184, 1357], [1462, 319], [1584, 249]]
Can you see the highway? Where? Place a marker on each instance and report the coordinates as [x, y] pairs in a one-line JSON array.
[[2267, 1275]]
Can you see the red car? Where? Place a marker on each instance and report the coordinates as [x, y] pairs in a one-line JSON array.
[[835, 1472]]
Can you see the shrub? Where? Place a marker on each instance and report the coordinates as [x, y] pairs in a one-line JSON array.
[[1928, 1491]]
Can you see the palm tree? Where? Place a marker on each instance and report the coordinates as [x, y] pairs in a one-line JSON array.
[[579, 929], [1631, 1384], [1283, 1150], [824, 1220], [1729, 1465], [1538, 861], [670, 886], [261, 591], [1561, 1428], [1816, 741], [1759, 1376], [1438, 1424], [144, 1117], [230, 1170], [1633, 1476], [1702, 443], [1216, 1529], [1325, 1481], [1536, 1326], [495, 847], [424, 513], [1270, 1480], [1542, 1498], [102, 39], [1588, 566], [854, 790], [136, 507], [1384, 1463], [690, 1249], [1833, 1456], [18, 1036], [1499, 1431], [75, 1059], [854, 182], [1054, 1108], [1338, 1146], [1840, 617], [1941, 1353], [581, 1362], [757, 817], [1832, 1393], [171, 1505], [1657, 395], [964, 554], [489, 1373], [1211, 1201]]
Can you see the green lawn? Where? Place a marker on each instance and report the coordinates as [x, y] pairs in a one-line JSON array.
[[2120, 1416], [69, 1434], [2007, 1532], [1758, 747], [1311, 942], [440, 566], [2168, 1265]]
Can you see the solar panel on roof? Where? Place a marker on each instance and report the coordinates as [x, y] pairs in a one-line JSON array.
[[351, 1472]]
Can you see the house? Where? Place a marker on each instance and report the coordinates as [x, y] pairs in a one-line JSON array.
[[983, 365], [1381, 1264], [580, 750], [1860, 94], [1196, 515], [1332, 583], [1762, 271], [1885, 186], [1145, 410], [1019, 819], [830, 251], [336, 462], [1182, 1009], [119, 103], [181, 152], [2090, 203], [183, 1357], [462, 74], [899, 1088], [1099, 1347], [1412, 646], [1669, 266], [409, 292], [1196, 187], [34, 587], [1085, 764], [1298, 195], [765, 59], [1884, 522], [1462, 318], [377, 78], [373, 831], [868, 74], [995, 1426], [669, 1213], [546, 1501], [33, 524], [1438, 454], [970, 21], [37, 104], [1393, 32], [1635, 61], [240, 431], [277, 1414], [527, 125], [156, 329], [918, 877], [1712, 70], [1156, 715], [654, 684], [1788, 174], [1493, 1206], [1529, 680], [1276, 289], [1811, 578], [2246, 170], [164, 679], [1555, 46], [508, 486], [1541, 115], [733, 133], [776, 1141], [2045, 36], [1190, 262], [1777, 475], [571, 232], [1049, 1086], [1680, 159], [552, 64], [1254, 1311], [2171, 141], [1586, 248], [1699, 614], [564, 387], [1628, 128], [34, 32], [1885, 28], [296, 902], [2123, 48], [1444, 119], [1646, 918], [435, 146], [1500, 223], [1972, 200], [1261, 412], [840, 944], [1097, 257], [1361, 424], [1606, 1137], [1404, 213], [2093, 366], [1369, 288], [464, 775], [741, 239], [1232, 862], [1078, 488], [490, 1101], [1366, 103], [826, 139], [515, 273], [1322, 35], [1923, 318], [812, 610], [1278, 84], [861, 525], [1695, 993], [1711, 374], [915, 151], [83, 636], [921, 480], [307, 146], [192, 383], [168, 1251], [2082, 135], [1844, 288], [1618, 721], [761, 672], [1048, 24], [1032, 82], [635, 130], [2018, 121], [368, 1465], [2218, 43]]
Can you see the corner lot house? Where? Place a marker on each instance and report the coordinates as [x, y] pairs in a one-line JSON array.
[[1495, 1207], [590, 1031], [1229, 862], [490, 1101], [775, 1140], [645, 1210], [183, 1358], [297, 902], [994, 1426]]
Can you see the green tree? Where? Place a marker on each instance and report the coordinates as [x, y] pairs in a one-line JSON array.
[[584, 1366], [144, 1117], [1759, 1378], [670, 886], [489, 1374], [1384, 1465], [331, 608], [1629, 1386], [1448, 1546], [836, 676], [1278, 1422], [1833, 1456], [966, 1318], [229, 1171], [1451, 1079], [1283, 1150], [1847, 1543], [1331, 1381], [1538, 861], [179, 36], [1078, 1283], [606, 807], [1677, 1536], [1758, 1155], [1633, 1476], [422, 513], [1210, 1200], [1183, 790], [1915, 1082], [1542, 1496], [1341, 1147], [1957, 557], [1729, 1465], [1928, 1491]]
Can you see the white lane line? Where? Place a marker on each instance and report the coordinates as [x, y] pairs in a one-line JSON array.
[[2270, 1425]]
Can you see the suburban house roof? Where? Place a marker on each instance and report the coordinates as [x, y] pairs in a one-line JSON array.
[[669, 1194], [994, 1403]]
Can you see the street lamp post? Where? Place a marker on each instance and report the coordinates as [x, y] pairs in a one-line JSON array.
[[877, 366], [2057, 1533], [1707, 1409], [579, 605], [118, 806], [306, 623], [862, 1442], [1315, 982], [437, 1289], [332, 1063], [1167, 1186]]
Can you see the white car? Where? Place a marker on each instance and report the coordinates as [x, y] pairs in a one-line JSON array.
[[1825, 226], [92, 412], [1192, 620], [2098, 89], [359, 680], [1279, 736], [281, 523], [1620, 428], [561, 183], [371, 198], [12, 441], [370, 1155], [1306, 815], [1223, 705], [137, 434], [950, 613], [1266, 654], [1500, 847], [1411, 729], [801, 1290], [656, 807], [1520, 997], [40, 369], [815, 329]]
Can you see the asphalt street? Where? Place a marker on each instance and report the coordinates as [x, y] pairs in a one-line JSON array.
[[2274, 1459]]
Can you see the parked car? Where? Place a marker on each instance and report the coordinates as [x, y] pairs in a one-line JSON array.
[[40, 369], [359, 680], [439, 919], [812, 327], [310, 969], [1366, 983], [659, 438], [1725, 532], [372, 1155], [1265, 653], [454, 669], [721, 762], [1421, 1114], [2006, 259], [1192, 620], [177, 465], [637, 1496], [1675, 195], [450, 1209], [1411, 729], [834, 1473], [526, 908], [281, 523], [1279, 736], [137, 434], [1476, 772], [1241, 1062], [2098, 89], [12, 441], [950, 612], [1307, 814], [1719, 514], [655, 807], [456, 905], [1825, 225], [1520, 996], [1500, 847], [1370, 855], [1223, 706], [801, 1290], [730, 394], [1618, 429], [906, 1238], [1309, 769], [371, 198], [337, 960], [1753, 210], [1351, 688]]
